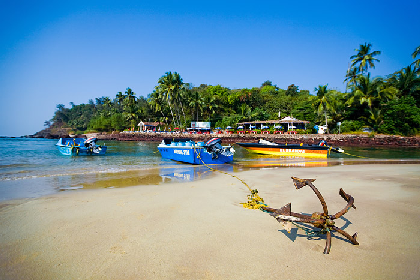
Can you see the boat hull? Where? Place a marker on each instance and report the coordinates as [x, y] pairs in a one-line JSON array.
[[193, 155], [288, 150], [75, 151], [76, 147]]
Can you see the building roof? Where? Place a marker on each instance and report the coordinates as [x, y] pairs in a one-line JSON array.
[[149, 123], [283, 120]]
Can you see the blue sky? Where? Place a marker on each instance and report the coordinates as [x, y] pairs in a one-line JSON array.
[[57, 52]]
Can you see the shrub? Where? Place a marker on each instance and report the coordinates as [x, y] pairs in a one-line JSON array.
[[402, 117], [350, 126]]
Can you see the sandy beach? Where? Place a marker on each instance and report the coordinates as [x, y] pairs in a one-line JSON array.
[[199, 230]]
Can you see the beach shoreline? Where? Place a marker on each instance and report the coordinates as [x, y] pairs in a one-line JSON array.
[[362, 140], [199, 230]]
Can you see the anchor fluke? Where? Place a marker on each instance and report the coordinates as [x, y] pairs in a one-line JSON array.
[[322, 221], [300, 183]]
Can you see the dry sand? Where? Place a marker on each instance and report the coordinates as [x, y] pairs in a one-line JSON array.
[[199, 230]]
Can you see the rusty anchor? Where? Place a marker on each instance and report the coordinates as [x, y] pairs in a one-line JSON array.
[[319, 220]]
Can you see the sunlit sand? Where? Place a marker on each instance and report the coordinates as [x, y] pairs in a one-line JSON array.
[[199, 229]]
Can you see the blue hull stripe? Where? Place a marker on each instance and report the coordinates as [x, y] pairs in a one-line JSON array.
[[190, 155]]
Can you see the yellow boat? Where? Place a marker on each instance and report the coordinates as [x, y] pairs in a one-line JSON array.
[[322, 150]]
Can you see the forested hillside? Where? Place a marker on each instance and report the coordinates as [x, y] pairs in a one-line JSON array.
[[388, 104]]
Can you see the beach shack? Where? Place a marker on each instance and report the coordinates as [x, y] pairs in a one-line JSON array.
[[286, 124], [148, 126], [291, 124]]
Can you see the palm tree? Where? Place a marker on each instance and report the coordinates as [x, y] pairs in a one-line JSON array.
[[323, 102], [129, 106], [156, 103], [169, 88], [196, 101], [406, 81], [183, 98], [337, 101], [364, 57], [366, 90], [374, 93], [106, 106], [351, 76], [211, 104], [119, 97], [414, 55]]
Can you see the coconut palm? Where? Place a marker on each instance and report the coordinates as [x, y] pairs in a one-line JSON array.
[[372, 92], [129, 110], [211, 103], [183, 98], [366, 90], [406, 81], [197, 102], [414, 55], [323, 102], [119, 97], [106, 106], [156, 103], [364, 58], [169, 88], [351, 76]]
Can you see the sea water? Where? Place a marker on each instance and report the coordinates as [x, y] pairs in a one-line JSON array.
[[34, 167]]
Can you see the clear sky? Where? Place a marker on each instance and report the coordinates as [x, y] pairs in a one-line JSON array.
[[57, 52]]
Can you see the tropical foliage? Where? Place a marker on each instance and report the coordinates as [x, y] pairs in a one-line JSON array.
[[386, 104]]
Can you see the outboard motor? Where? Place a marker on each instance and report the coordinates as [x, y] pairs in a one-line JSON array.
[[90, 143], [214, 147]]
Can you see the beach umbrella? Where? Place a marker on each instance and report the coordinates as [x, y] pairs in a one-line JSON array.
[[240, 127], [228, 127], [218, 128]]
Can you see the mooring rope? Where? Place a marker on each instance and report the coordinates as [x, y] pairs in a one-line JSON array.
[[330, 148], [254, 200], [354, 155]]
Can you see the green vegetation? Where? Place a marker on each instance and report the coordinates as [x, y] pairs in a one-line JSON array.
[[385, 104]]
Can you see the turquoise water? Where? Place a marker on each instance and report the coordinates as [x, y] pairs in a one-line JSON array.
[[34, 167]]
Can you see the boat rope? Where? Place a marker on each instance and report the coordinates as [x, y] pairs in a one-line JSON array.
[[331, 148], [254, 200], [354, 155]]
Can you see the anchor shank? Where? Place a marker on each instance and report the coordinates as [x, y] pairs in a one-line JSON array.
[[286, 214], [300, 220], [321, 199]]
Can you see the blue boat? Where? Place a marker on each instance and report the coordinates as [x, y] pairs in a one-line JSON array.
[[80, 147], [185, 150]]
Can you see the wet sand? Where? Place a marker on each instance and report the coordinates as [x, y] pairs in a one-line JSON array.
[[199, 230]]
